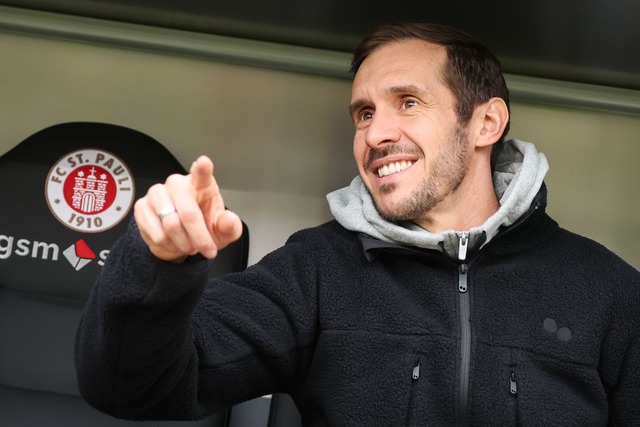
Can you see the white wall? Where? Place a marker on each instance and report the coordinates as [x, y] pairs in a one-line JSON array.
[[282, 140], [594, 178]]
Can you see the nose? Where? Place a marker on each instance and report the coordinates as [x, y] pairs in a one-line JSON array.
[[382, 129]]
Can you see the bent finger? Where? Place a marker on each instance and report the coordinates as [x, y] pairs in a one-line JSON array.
[[169, 232], [228, 228], [152, 232]]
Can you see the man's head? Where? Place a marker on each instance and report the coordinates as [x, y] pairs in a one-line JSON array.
[[427, 117], [471, 71]]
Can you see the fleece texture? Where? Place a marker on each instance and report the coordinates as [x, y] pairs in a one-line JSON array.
[[364, 334], [369, 323]]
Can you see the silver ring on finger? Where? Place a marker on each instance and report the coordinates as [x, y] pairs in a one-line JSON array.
[[166, 211]]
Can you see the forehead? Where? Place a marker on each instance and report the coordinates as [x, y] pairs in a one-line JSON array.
[[404, 62]]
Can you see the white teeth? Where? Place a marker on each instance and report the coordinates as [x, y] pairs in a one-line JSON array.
[[393, 168]]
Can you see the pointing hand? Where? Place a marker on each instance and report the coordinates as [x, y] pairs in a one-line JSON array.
[[186, 215]]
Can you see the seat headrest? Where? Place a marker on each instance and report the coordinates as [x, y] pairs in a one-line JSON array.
[[67, 194]]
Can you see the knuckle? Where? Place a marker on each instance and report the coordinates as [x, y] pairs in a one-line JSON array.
[[189, 214], [155, 189], [172, 224], [157, 240], [138, 206], [174, 179]]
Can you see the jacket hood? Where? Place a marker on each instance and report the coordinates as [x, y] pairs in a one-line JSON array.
[[518, 176]]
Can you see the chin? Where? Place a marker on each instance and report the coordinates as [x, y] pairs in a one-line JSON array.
[[390, 209]]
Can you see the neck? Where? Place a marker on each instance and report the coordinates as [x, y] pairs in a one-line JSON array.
[[469, 206]]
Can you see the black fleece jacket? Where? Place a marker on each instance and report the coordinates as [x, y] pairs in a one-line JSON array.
[[540, 327]]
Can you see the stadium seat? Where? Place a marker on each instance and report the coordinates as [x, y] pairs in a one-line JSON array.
[[67, 193]]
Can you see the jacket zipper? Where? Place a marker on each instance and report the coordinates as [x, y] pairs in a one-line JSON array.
[[415, 376], [416, 372], [513, 390], [465, 312], [465, 327], [465, 324], [513, 384]]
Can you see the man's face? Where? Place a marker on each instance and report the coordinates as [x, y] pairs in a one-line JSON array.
[[409, 147]]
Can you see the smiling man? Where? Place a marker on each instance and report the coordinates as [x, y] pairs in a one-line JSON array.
[[417, 158], [441, 294]]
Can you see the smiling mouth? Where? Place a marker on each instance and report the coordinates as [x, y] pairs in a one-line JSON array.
[[394, 167]]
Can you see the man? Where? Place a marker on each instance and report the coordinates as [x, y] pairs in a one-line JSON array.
[[442, 294]]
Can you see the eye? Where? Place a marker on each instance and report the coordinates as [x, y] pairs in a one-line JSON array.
[[364, 116], [408, 103]]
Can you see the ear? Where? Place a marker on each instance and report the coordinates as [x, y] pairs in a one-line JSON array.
[[493, 117]]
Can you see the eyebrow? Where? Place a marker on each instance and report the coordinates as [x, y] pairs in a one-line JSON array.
[[409, 88], [355, 106], [393, 90]]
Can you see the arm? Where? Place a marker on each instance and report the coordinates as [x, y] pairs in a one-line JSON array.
[[134, 331], [157, 341], [620, 365], [624, 405]]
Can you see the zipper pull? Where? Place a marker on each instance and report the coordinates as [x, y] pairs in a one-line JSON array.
[[513, 386], [463, 244], [462, 277], [416, 372]]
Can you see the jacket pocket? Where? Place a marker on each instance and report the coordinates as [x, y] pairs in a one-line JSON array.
[[547, 391], [360, 378], [380, 379]]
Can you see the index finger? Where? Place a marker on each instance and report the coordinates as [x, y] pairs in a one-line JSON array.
[[202, 175], [209, 202]]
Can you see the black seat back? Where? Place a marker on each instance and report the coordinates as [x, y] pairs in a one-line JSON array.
[[66, 195]]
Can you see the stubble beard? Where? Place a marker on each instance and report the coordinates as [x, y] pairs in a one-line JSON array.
[[447, 171]]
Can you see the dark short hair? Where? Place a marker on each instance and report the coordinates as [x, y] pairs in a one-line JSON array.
[[472, 72]]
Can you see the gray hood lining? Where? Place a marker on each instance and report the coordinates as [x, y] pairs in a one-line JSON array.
[[519, 174]]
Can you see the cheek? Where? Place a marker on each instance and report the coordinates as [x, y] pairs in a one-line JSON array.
[[359, 149], [360, 152]]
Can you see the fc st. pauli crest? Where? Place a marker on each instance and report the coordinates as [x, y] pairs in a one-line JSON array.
[[90, 190]]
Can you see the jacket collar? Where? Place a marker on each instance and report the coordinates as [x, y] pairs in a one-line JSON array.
[[518, 177], [373, 246]]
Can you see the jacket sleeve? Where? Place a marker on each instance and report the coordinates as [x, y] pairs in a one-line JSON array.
[[620, 365], [163, 341]]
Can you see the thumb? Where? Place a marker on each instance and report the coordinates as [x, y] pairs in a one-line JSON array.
[[228, 228]]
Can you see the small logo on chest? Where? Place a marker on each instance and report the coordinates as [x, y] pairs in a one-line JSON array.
[[563, 333]]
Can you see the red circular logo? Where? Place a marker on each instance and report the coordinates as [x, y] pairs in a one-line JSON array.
[[89, 189]]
